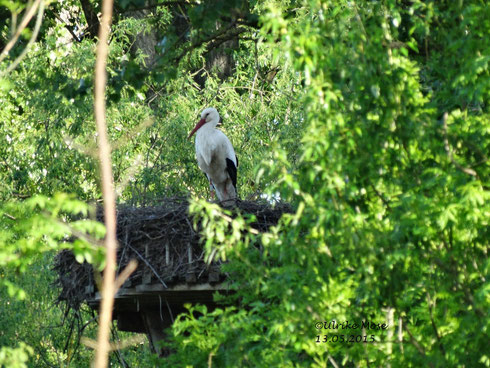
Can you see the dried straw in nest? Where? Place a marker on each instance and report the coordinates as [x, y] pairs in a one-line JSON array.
[[165, 244]]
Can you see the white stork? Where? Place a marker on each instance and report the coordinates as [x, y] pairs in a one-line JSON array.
[[216, 156]]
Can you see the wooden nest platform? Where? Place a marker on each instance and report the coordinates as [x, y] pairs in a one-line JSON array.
[[171, 268]]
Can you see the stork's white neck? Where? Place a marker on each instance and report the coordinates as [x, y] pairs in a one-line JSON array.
[[207, 128]]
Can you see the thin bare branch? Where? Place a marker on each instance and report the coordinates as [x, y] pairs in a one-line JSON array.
[[10, 217], [33, 38], [87, 149], [133, 340], [123, 276], [14, 24], [23, 24], [134, 168], [132, 133], [390, 312], [108, 288], [332, 361]]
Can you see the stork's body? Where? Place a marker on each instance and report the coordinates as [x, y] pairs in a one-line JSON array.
[[216, 156]]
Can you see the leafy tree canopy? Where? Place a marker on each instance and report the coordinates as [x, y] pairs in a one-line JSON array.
[[371, 118]]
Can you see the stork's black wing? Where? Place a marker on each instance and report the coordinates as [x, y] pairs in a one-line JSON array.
[[231, 169]]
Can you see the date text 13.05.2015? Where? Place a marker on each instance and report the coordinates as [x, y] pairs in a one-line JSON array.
[[345, 338]]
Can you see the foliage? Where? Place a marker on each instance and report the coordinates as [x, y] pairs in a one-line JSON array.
[[49, 142], [51, 331], [392, 198], [31, 230], [15, 357], [371, 118], [40, 223]]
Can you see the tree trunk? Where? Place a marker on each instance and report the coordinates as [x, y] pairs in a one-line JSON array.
[[145, 41], [91, 17]]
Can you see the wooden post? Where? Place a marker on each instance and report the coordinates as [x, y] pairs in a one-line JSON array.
[[191, 276], [167, 254], [155, 329], [214, 274], [189, 252]]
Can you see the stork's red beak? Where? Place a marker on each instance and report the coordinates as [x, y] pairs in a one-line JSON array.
[[196, 128]]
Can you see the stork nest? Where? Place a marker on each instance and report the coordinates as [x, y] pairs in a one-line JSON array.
[[163, 241]]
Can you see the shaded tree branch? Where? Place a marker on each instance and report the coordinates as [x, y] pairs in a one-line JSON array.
[[449, 152], [433, 323], [91, 17], [215, 40], [154, 6], [415, 343], [67, 27], [380, 196]]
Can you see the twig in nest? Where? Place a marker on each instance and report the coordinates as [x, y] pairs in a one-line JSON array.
[[149, 266], [152, 228]]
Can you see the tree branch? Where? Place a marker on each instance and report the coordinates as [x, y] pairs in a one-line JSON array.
[[449, 152], [67, 27], [108, 287], [214, 40], [200, 42], [29, 44], [380, 196], [23, 24], [154, 6], [415, 343], [91, 17], [433, 323]]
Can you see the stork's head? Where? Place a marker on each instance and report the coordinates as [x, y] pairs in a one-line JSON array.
[[209, 116]]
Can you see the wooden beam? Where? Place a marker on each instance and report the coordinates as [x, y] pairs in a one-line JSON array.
[[130, 322], [155, 323], [146, 296]]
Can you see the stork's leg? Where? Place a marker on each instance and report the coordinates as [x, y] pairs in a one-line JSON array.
[[211, 189], [229, 199]]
